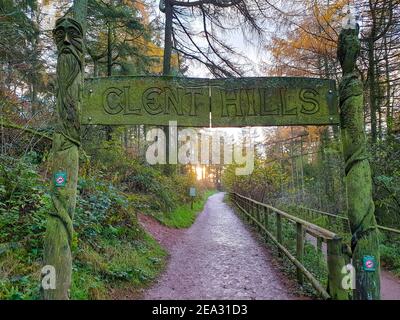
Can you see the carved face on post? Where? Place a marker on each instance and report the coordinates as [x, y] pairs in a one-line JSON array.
[[69, 39]]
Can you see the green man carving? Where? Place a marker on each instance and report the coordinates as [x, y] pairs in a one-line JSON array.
[[68, 37], [57, 249], [358, 172]]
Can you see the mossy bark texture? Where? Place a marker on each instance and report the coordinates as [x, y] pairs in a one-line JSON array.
[[365, 243], [68, 35]]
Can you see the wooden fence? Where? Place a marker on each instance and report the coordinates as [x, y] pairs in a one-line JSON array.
[[343, 221], [263, 215]]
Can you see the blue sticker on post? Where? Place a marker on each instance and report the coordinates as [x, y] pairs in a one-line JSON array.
[[369, 263], [60, 179]]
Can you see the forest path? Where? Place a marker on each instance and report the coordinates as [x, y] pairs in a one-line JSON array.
[[217, 258], [390, 286]]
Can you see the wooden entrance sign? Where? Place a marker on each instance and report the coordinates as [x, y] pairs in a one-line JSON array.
[[194, 102]]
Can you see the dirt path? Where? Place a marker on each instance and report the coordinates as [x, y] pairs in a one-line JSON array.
[[390, 286], [217, 258]]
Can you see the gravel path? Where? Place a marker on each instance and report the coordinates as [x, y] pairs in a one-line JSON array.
[[217, 258]]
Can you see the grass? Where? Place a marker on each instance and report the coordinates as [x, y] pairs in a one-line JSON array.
[[390, 255], [184, 216], [19, 275], [95, 275], [120, 265], [113, 257], [117, 261]]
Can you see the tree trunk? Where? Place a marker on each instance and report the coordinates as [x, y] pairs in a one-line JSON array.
[[365, 243], [167, 71], [372, 90], [389, 107], [109, 50], [168, 39]]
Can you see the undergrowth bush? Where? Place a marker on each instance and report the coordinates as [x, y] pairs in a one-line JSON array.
[[110, 249], [109, 246]]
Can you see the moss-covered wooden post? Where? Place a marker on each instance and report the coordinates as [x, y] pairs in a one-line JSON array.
[[336, 262], [365, 244], [300, 250], [68, 35]]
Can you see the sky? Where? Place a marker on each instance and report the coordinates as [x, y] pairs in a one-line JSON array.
[[255, 55]]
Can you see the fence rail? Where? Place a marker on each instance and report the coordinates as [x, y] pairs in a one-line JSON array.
[[261, 214], [342, 218]]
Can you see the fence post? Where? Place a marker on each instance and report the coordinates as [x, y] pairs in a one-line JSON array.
[[266, 216], [254, 213], [265, 222], [262, 215], [251, 208], [300, 250], [250, 211], [259, 215], [279, 229], [336, 262]]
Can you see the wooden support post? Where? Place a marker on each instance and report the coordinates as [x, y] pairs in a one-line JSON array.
[[300, 250], [255, 214], [279, 229], [265, 222], [336, 262], [250, 211], [266, 217], [69, 38], [361, 208]]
